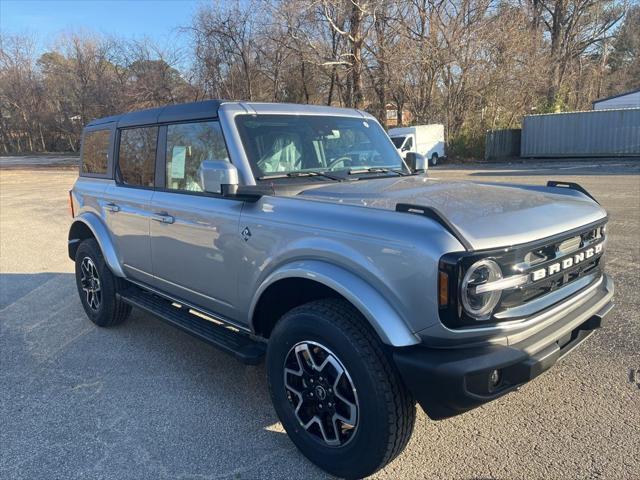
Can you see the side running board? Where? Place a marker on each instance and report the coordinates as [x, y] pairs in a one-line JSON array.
[[238, 344], [436, 215], [572, 186]]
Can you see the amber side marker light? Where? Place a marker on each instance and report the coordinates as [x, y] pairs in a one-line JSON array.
[[73, 214], [443, 289]]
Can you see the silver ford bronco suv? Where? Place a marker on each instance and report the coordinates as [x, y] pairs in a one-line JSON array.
[[297, 234]]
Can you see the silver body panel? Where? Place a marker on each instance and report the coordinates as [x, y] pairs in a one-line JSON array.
[[288, 231], [344, 235], [195, 257], [489, 216], [129, 227]]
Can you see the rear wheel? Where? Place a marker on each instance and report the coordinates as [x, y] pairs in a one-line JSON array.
[[336, 393], [97, 287], [434, 160]]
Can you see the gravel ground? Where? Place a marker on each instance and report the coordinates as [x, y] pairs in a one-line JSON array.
[[143, 400], [54, 159]]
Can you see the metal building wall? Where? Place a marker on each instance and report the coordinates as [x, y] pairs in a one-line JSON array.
[[627, 100], [601, 133], [501, 144]]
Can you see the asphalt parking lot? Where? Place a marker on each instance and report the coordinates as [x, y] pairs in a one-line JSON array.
[[144, 401]]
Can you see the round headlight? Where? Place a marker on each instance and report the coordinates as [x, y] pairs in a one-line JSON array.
[[480, 305]]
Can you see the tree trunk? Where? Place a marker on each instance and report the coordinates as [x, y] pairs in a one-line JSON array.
[[382, 98], [247, 76], [305, 87], [332, 82], [356, 96], [557, 20], [44, 146]]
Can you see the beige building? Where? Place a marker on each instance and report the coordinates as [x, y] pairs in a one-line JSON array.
[[392, 116]]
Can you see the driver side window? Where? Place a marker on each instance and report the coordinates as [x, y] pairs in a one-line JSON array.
[[188, 145], [408, 145]]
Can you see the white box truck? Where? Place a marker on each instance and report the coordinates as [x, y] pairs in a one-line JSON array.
[[427, 140]]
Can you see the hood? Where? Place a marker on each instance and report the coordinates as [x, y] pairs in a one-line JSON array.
[[487, 215]]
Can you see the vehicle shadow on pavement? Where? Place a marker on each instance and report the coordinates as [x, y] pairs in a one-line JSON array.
[[15, 285], [140, 400]]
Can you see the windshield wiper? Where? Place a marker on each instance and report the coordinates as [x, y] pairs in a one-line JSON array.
[[376, 170], [355, 171], [300, 174], [401, 172]]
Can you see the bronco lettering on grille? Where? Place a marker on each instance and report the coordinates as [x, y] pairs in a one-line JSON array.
[[566, 263]]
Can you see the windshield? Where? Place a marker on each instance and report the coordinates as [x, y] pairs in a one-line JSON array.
[[398, 141], [283, 144]]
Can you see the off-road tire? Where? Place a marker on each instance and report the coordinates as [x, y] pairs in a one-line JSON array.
[[111, 310], [386, 411]]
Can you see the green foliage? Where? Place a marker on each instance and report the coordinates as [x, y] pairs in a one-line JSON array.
[[466, 145], [556, 106]]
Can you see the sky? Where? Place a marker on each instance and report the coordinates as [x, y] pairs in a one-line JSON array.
[[47, 19]]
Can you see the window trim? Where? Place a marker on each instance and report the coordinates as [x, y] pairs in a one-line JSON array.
[[109, 173], [161, 168], [256, 171], [161, 161], [117, 176]]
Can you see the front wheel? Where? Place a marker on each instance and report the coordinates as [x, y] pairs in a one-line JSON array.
[[335, 391], [434, 160]]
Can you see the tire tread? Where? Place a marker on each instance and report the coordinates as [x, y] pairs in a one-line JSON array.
[[403, 411]]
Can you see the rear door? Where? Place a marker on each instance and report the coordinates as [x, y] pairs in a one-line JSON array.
[[128, 200], [195, 242]]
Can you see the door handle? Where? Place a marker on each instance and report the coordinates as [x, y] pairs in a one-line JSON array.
[[112, 207], [163, 218]]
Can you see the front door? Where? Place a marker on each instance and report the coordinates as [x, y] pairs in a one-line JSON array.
[[128, 201], [195, 240], [408, 145]]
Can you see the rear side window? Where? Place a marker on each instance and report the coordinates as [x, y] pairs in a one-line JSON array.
[[137, 156], [188, 145], [95, 152]]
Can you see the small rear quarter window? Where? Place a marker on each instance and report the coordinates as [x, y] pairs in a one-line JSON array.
[[95, 152], [137, 156]]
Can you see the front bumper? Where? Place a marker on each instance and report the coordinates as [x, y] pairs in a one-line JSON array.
[[451, 381]]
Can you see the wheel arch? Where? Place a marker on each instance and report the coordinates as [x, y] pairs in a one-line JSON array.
[[313, 280], [89, 225]]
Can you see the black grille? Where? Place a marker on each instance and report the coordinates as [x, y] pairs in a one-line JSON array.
[[541, 258], [527, 259]]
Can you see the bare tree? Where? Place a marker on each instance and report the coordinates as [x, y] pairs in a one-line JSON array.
[[470, 64], [226, 47], [352, 21], [574, 27]]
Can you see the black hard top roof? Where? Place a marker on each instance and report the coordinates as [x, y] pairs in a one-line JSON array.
[[169, 113]]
